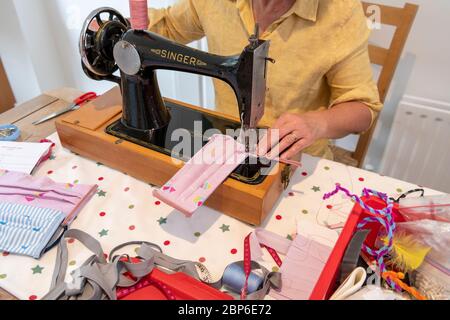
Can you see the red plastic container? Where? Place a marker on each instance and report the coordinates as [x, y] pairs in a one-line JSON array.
[[325, 287]]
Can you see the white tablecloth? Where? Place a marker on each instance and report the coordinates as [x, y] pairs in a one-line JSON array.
[[124, 210]]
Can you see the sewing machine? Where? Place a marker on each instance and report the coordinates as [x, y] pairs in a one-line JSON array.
[[131, 129]]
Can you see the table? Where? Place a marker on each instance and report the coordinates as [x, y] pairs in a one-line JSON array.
[[25, 114], [124, 210]]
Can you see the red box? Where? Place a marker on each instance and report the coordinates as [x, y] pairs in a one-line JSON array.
[[325, 287]]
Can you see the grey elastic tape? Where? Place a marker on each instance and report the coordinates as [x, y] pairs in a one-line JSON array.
[[94, 280], [97, 279]]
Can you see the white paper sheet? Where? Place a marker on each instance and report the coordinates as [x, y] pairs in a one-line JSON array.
[[21, 156]]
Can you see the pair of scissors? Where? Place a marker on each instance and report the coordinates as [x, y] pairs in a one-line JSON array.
[[75, 106]]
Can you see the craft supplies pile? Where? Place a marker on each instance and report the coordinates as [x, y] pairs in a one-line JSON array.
[[389, 249]]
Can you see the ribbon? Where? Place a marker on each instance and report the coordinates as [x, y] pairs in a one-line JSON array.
[[383, 217], [253, 245]]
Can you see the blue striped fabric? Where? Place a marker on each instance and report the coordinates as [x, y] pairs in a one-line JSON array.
[[26, 230]]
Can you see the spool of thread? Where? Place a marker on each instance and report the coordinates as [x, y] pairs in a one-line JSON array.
[[234, 279], [139, 14]]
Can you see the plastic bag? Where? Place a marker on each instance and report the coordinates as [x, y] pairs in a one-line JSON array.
[[428, 219], [435, 208]]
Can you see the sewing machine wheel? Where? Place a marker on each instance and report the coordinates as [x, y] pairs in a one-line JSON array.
[[102, 29]]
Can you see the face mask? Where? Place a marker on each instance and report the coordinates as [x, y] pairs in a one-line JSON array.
[[27, 230], [189, 189], [42, 192]]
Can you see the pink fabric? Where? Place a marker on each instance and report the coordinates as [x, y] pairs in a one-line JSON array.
[[305, 259], [139, 14], [202, 175], [21, 188]]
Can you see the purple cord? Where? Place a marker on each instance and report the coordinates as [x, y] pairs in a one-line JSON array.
[[384, 217]]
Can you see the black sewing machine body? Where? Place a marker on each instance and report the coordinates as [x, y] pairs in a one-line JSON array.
[[140, 53], [147, 119]]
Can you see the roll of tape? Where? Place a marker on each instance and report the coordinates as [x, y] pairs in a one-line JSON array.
[[9, 132]]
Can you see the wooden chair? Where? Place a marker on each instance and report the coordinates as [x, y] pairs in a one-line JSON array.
[[388, 59], [7, 99]]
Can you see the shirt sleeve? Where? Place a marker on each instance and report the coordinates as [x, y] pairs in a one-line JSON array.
[[179, 22], [351, 77]]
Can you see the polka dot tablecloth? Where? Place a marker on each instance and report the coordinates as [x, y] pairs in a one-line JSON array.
[[123, 209]]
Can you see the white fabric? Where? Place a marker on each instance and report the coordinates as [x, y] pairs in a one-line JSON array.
[[351, 285]]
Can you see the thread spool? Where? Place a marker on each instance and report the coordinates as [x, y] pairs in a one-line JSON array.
[[234, 279], [139, 14]]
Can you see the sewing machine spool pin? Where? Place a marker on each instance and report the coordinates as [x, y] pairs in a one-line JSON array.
[[254, 38]]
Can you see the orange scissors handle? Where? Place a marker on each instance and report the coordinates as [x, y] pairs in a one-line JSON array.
[[84, 98]]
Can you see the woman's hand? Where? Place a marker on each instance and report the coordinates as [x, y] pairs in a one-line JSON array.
[[291, 134]]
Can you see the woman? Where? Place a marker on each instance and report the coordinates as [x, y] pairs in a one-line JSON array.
[[321, 86]]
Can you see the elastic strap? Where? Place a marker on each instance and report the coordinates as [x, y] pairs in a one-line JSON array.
[[97, 279], [89, 272], [138, 270], [407, 193], [56, 238]]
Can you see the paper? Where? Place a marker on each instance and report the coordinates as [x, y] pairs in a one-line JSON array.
[[305, 261], [22, 156]]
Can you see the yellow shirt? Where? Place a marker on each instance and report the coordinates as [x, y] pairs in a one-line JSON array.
[[320, 48]]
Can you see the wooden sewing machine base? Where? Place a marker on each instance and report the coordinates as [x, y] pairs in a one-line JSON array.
[[85, 132]]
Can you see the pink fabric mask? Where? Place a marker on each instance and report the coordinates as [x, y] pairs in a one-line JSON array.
[[202, 175]]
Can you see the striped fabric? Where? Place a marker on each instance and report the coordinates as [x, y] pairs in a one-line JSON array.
[[26, 230]]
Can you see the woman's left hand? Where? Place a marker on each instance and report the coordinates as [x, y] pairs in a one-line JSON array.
[[291, 134]]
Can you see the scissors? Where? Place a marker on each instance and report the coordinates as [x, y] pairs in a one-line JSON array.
[[75, 106]]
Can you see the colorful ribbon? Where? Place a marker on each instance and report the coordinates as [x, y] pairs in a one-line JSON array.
[[248, 256], [383, 217]]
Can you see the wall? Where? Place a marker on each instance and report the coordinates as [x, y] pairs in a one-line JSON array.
[[41, 43], [15, 54], [424, 70]]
